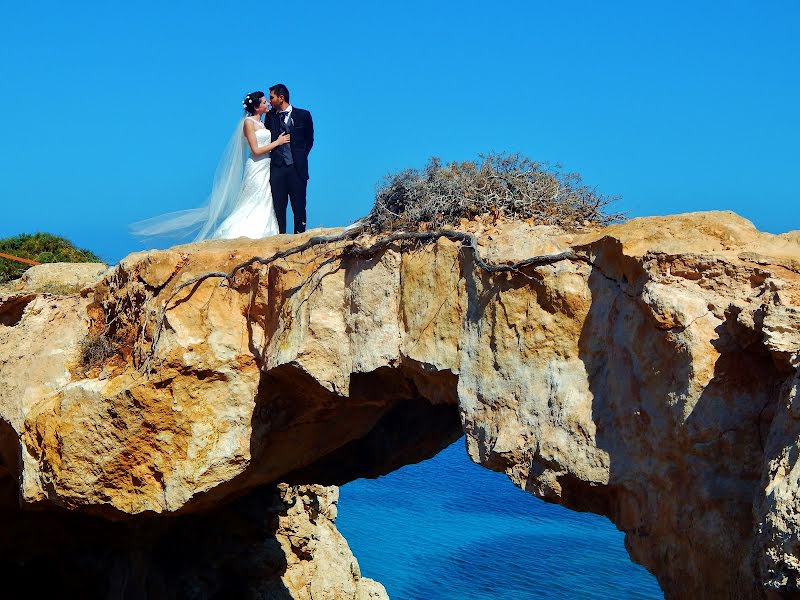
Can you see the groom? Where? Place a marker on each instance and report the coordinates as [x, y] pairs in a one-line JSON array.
[[289, 165]]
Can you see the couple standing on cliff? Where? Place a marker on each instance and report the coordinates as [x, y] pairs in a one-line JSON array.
[[251, 193]]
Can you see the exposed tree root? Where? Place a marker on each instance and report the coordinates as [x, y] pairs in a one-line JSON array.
[[354, 250]]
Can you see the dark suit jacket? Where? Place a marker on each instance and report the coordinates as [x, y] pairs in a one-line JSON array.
[[302, 132]]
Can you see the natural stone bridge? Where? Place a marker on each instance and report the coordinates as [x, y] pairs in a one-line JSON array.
[[649, 376]]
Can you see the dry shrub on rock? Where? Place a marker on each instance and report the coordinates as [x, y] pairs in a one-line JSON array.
[[498, 184], [96, 349]]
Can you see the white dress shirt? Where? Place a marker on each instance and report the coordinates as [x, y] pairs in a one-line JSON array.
[[287, 116]]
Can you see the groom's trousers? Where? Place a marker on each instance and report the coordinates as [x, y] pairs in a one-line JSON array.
[[288, 185]]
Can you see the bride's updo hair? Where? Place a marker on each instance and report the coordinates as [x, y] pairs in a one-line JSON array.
[[252, 101]]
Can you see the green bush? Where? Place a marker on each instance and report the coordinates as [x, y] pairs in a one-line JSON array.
[[41, 247], [511, 185]]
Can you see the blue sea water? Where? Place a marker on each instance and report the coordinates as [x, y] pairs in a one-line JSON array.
[[447, 529]]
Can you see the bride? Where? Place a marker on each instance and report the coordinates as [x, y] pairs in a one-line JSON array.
[[240, 203]]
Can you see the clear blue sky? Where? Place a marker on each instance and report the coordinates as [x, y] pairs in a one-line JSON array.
[[113, 112]]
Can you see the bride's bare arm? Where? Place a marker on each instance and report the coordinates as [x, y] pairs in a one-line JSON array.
[[250, 134]]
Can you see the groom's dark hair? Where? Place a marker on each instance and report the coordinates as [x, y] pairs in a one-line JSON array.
[[280, 90]]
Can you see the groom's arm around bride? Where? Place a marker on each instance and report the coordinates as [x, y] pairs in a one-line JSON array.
[[289, 164]]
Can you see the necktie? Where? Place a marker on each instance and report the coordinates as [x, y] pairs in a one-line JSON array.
[[284, 116]]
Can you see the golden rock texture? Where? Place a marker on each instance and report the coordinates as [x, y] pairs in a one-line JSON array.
[[650, 377]]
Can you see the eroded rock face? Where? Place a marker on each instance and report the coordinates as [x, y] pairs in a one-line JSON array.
[[650, 377], [647, 385]]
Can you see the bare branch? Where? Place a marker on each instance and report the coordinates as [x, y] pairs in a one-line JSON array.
[[354, 250]]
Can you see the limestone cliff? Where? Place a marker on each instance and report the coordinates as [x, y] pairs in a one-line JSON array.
[[649, 375]]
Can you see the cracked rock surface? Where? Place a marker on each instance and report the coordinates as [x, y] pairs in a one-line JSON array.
[[651, 377]]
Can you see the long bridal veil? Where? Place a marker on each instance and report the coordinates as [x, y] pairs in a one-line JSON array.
[[221, 202]]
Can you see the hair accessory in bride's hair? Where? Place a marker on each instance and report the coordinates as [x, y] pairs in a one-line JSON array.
[[252, 102]]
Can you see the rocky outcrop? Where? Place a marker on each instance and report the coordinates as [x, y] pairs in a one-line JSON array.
[[277, 541], [654, 384], [649, 376]]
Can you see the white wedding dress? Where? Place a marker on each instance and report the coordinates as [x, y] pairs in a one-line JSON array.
[[240, 203], [254, 215]]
